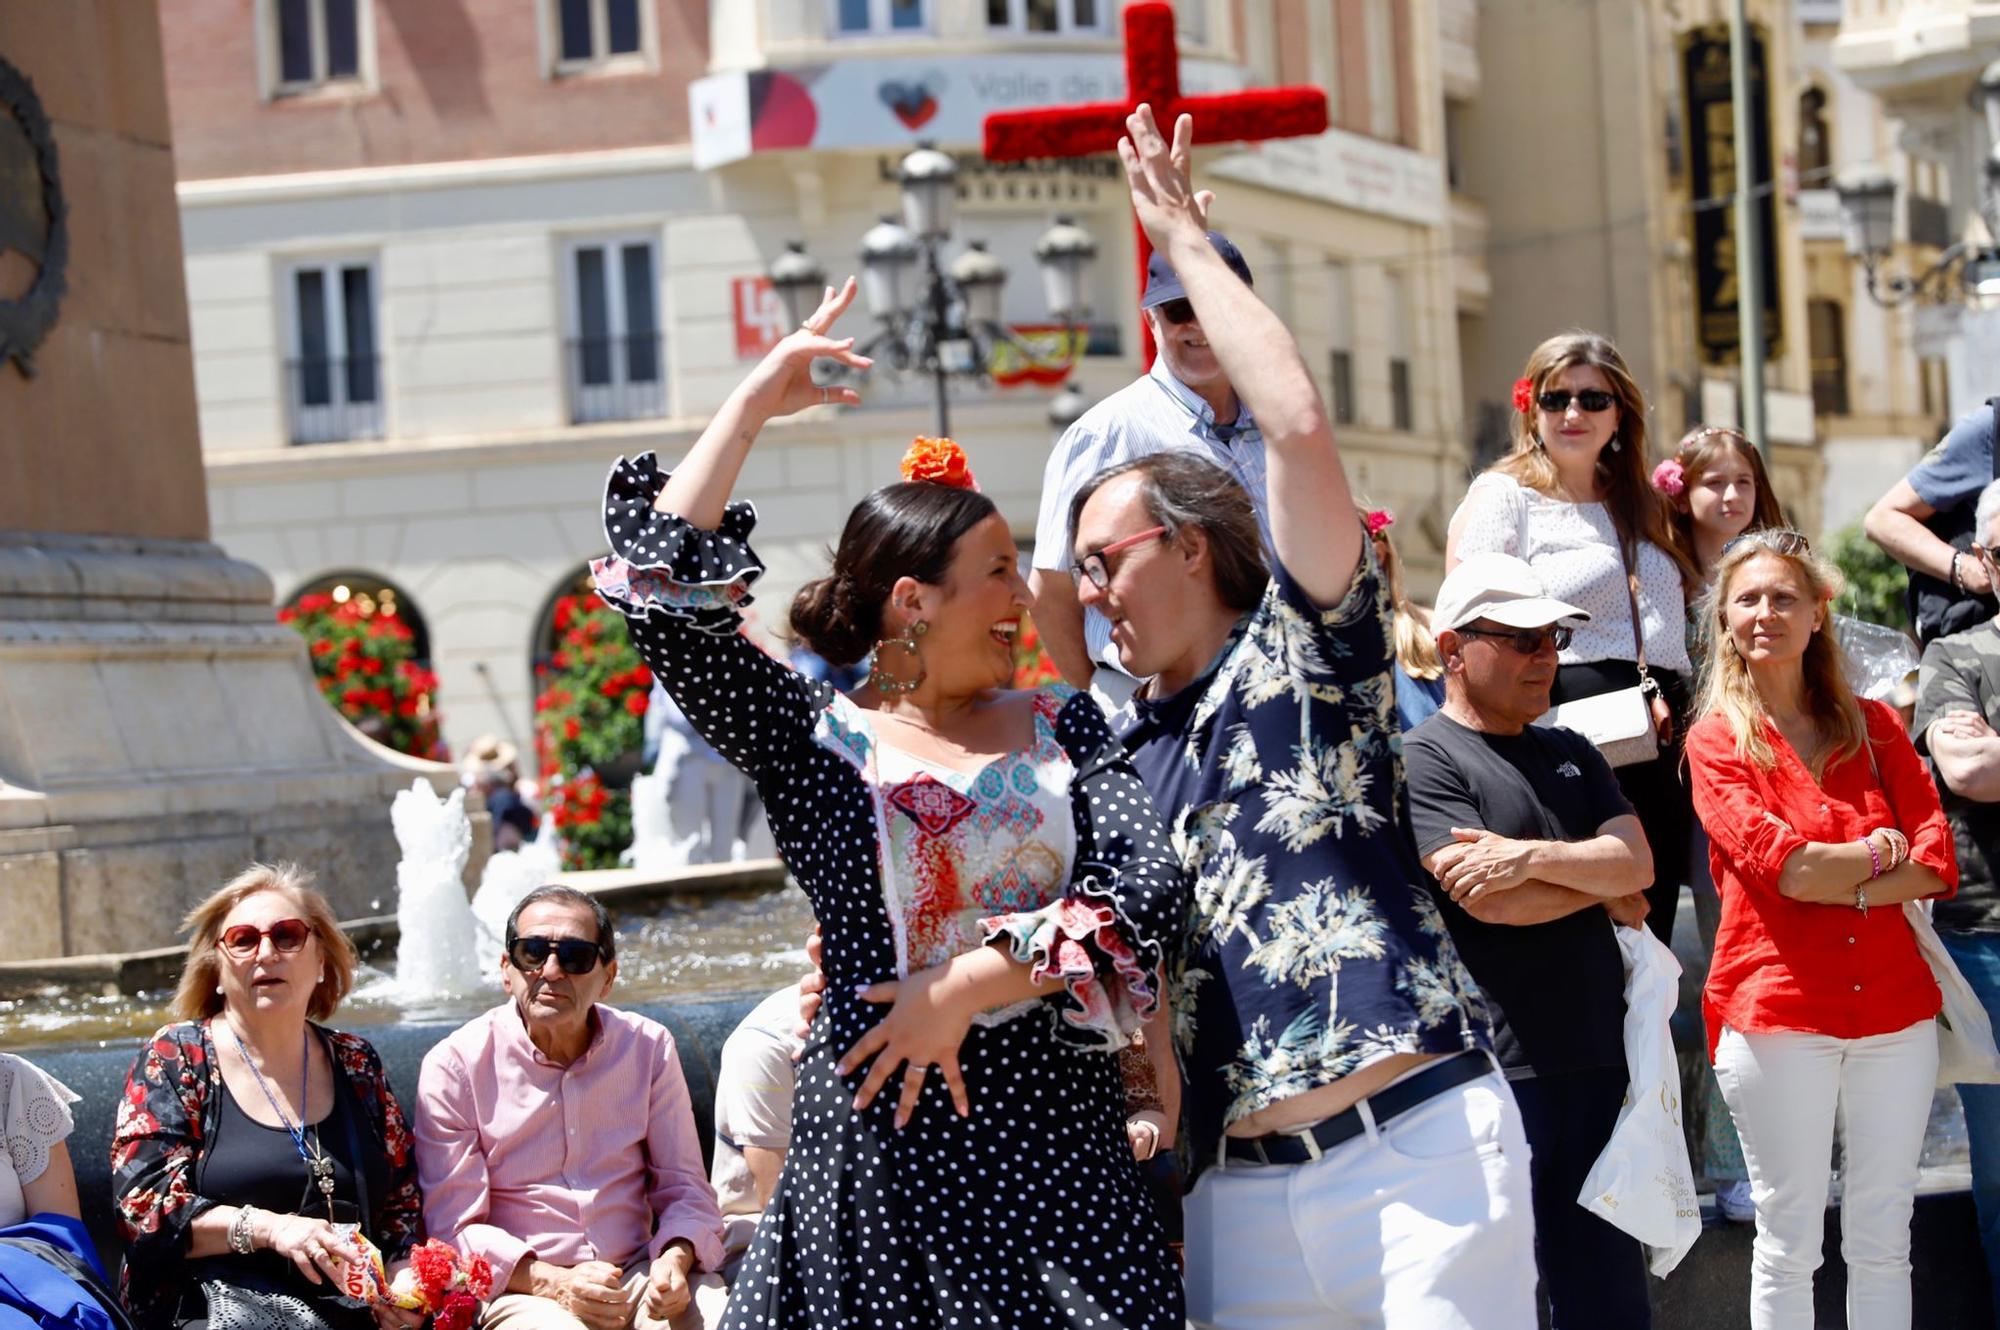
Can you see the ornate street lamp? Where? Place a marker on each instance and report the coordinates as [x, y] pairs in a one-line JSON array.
[[939, 319]]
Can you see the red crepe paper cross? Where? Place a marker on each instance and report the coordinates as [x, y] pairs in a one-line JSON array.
[[1153, 76]]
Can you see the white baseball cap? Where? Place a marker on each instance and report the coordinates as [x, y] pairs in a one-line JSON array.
[[1499, 587]]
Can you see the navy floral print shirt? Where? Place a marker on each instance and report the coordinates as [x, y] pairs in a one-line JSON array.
[[1312, 947]]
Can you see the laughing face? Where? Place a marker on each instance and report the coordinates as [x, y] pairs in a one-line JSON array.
[[973, 615], [1186, 350]]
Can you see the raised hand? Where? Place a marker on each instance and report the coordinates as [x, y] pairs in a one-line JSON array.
[[1163, 192], [782, 382]]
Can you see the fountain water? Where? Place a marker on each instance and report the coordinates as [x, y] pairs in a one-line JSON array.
[[510, 875], [438, 955]]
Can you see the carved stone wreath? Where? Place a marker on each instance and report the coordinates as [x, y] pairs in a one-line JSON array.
[[26, 321]]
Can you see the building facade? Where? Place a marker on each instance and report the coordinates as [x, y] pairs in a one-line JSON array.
[[445, 263]]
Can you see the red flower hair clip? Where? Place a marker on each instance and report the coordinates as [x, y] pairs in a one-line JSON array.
[[1380, 520], [939, 461], [1524, 394]]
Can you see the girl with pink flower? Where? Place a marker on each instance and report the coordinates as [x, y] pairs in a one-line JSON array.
[[1715, 488]]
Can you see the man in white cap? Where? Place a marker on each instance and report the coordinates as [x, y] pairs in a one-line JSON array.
[[1534, 853]]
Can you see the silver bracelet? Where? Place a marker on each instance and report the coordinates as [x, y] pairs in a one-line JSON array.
[[240, 1240]]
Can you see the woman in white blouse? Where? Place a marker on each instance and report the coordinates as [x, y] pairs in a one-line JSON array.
[[35, 1173], [1573, 499]]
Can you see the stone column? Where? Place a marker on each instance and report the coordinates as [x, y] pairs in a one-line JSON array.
[[159, 729]]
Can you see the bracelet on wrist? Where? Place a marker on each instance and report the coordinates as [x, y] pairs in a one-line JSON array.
[[1956, 584], [1874, 857], [241, 1240], [1861, 898]]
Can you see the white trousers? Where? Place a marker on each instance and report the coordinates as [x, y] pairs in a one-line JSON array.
[[1423, 1224], [1784, 1090]]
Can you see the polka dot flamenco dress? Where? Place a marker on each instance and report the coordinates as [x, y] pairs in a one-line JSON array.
[[1031, 1212]]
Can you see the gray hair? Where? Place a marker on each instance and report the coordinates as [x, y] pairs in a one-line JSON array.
[[1982, 517], [1181, 490]]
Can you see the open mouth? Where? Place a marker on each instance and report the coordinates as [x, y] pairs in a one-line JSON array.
[[1005, 631], [266, 981]]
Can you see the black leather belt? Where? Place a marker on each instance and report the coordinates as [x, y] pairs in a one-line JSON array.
[[1300, 1147]]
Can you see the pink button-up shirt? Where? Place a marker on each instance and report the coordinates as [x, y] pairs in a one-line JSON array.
[[520, 1157]]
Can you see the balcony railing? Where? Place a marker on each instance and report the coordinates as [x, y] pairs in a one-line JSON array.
[[330, 399], [616, 378]]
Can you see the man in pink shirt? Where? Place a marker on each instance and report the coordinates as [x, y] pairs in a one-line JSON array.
[[556, 1139]]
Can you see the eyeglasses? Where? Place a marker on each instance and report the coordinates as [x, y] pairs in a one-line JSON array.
[[287, 936], [1176, 312], [1777, 539], [1557, 400], [1527, 641], [574, 954], [1095, 565]]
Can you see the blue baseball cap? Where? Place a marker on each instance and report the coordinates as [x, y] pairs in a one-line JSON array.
[[1164, 284]]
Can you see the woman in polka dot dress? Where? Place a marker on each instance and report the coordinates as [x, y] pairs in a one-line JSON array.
[[991, 882]]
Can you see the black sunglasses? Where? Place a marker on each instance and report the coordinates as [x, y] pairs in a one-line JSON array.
[[1593, 400], [1527, 641], [1778, 540], [1176, 312], [574, 954]]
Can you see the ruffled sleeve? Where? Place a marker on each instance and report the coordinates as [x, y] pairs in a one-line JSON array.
[[682, 591], [1490, 517], [1107, 937], [1735, 809], [36, 1115]]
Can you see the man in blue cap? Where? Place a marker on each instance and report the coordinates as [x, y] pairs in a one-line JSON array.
[[1184, 401]]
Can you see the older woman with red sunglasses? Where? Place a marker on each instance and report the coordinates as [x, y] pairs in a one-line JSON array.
[[248, 1131]]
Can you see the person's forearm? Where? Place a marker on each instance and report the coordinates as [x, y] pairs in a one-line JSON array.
[[1531, 902], [987, 977], [1970, 768], [208, 1232], [1255, 349], [1820, 870], [1058, 617], [1908, 881], [699, 488], [1603, 866], [1908, 541]]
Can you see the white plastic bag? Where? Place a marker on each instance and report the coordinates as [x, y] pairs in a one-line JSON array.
[[1641, 1182], [1966, 1052]]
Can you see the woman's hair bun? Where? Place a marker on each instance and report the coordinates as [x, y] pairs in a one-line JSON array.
[[825, 618]]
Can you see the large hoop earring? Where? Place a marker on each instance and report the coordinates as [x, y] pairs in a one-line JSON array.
[[909, 643]]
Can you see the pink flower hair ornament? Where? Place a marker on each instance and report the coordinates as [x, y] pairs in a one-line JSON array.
[[1670, 478], [1378, 521]]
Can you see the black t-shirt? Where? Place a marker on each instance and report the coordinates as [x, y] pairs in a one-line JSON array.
[[1556, 989]]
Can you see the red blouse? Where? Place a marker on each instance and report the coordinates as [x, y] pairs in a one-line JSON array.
[[1783, 964]]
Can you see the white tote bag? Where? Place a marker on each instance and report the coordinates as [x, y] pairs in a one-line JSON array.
[[1642, 1183], [1966, 1052]]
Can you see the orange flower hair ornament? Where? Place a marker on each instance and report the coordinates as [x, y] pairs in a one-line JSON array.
[[939, 461]]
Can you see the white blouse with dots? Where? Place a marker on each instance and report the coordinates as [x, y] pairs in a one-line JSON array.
[[34, 1116], [1573, 548]]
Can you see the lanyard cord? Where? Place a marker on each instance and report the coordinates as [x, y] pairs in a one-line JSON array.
[[318, 1167]]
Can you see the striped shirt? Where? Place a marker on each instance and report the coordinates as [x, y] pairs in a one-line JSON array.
[[1144, 417]]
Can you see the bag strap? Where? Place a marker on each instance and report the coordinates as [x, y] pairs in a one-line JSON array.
[[1638, 628]]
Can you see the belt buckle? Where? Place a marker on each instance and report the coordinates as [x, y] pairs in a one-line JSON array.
[[1311, 1142]]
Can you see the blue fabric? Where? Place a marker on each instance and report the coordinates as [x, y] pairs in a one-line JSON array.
[[38, 1293], [1417, 700], [1977, 956], [1960, 465], [1313, 947]]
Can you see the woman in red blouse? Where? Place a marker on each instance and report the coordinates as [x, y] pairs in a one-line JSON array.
[[1821, 822]]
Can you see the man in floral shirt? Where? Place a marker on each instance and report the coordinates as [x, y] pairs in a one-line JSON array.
[[1365, 1163]]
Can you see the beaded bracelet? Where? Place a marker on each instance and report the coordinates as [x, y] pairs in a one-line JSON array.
[[1874, 857]]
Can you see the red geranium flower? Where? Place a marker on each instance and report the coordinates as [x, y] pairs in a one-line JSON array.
[[1524, 395]]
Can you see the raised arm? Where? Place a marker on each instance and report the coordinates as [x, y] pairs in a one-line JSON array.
[[1305, 478]]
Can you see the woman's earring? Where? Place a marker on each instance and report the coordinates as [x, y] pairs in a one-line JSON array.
[[218, 990], [1616, 443], [909, 643]]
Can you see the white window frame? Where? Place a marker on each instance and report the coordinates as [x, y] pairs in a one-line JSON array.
[[594, 403], [556, 65], [1016, 22], [1385, 72], [319, 423], [270, 57], [878, 27]]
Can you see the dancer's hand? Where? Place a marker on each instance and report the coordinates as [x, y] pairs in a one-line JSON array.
[[782, 382], [1163, 193], [924, 1028]]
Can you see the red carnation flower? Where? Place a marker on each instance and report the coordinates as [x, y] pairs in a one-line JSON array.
[[434, 1261], [479, 1277], [1524, 394]]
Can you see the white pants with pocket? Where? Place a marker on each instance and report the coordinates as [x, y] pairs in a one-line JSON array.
[[1784, 1090], [1425, 1223]]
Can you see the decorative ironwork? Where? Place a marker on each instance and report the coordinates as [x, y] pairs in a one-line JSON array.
[[34, 218]]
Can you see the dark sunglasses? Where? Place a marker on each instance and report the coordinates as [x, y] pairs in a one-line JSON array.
[[574, 954], [1557, 400], [1176, 312], [287, 936], [1527, 641], [1778, 540]]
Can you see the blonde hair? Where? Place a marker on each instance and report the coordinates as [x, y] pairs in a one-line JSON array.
[[1637, 511], [1701, 448], [1727, 688], [197, 999], [1416, 649]]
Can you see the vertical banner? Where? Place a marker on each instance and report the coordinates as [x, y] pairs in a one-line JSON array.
[[1712, 148], [759, 317]]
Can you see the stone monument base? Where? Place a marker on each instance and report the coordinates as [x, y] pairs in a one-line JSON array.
[[159, 730]]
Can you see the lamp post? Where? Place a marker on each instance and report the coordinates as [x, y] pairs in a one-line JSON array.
[[939, 318], [1964, 271]]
